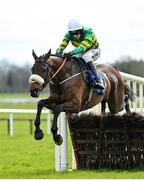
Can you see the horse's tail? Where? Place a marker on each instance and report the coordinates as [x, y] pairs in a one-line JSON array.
[[128, 92]]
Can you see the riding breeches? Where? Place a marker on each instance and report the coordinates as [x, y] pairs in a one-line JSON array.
[[91, 55]]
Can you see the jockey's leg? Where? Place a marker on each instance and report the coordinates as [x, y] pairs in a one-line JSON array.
[[89, 57], [97, 83]]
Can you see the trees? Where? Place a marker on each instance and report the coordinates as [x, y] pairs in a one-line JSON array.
[[14, 78], [130, 65]]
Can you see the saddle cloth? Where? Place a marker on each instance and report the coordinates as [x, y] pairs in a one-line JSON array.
[[89, 76]]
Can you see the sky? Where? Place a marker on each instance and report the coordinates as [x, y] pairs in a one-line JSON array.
[[41, 25]]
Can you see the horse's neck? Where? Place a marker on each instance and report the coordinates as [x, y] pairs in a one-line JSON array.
[[69, 67], [75, 67]]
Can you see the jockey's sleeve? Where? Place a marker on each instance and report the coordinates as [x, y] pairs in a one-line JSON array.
[[89, 41], [64, 44]]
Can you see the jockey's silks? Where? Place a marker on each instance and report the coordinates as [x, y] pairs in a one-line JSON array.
[[87, 41]]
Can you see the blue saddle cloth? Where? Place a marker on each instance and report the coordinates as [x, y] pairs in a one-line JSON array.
[[91, 77]]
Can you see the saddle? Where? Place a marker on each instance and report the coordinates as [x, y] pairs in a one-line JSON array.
[[88, 76]]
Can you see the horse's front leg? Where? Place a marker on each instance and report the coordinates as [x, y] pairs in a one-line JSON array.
[[66, 107], [56, 137], [38, 134]]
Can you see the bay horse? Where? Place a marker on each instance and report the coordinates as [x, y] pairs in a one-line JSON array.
[[68, 91]]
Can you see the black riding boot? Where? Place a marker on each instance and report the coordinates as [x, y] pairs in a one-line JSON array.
[[97, 83]]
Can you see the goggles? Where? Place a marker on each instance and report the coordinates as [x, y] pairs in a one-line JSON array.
[[77, 32]]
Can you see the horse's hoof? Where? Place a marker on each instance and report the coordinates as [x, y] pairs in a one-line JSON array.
[[38, 135], [58, 140]]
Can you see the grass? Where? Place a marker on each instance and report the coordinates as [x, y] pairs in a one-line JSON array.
[[19, 95], [22, 157], [14, 95]]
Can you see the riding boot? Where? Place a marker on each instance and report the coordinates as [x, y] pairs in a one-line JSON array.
[[97, 83]]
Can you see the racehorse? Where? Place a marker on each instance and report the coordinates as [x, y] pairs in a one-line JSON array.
[[68, 91]]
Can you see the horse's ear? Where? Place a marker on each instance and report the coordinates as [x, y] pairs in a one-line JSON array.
[[48, 55], [34, 55]]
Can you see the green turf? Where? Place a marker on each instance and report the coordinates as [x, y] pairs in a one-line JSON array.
[[14, 95], [20, 95], [23, 157]]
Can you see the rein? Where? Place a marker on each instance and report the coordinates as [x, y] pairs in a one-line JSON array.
[[58, 69], [68, 78]]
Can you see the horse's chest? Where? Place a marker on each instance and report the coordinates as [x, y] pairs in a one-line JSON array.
[[60, 98]]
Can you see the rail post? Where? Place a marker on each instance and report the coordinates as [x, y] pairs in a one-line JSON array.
[[61, 152], [10, 124], [64, 146], [49, 124], [58, 155]]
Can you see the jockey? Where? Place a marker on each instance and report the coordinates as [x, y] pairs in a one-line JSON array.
[[86, 46]]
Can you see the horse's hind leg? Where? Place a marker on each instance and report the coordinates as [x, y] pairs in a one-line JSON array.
[[116, 101], [103, 107], [127, 108], [129, 96]]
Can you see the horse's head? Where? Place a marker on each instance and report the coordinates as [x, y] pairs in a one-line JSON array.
[[40, 72]]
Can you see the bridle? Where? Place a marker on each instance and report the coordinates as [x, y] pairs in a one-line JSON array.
[[47, 70]]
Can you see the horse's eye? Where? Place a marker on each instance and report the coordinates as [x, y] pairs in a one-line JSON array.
[[50, 66]]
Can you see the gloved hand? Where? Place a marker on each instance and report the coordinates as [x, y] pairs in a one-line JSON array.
[[68, 55]]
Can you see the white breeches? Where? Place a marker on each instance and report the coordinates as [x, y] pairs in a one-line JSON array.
[[91, 55]]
